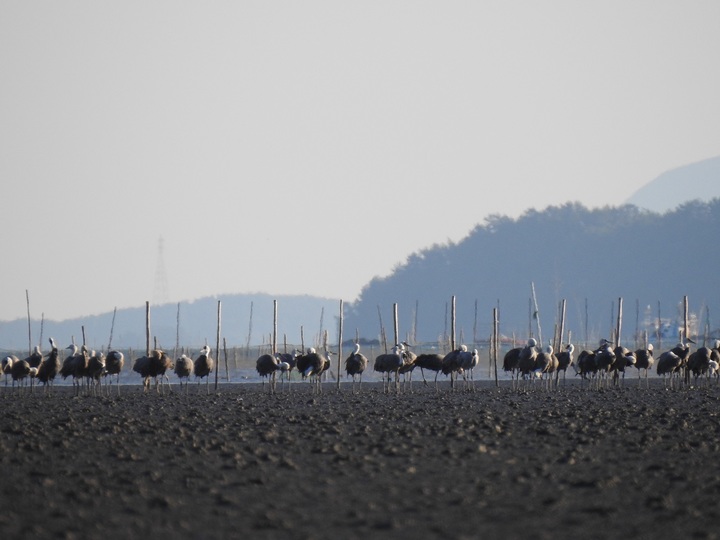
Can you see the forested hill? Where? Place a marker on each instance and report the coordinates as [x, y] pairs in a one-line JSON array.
[[587, 257]]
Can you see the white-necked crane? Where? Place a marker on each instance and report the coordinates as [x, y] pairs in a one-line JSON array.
[[50, 366], [7, 364], [355, 364], [114, 362], [75, 366], [527, 359], [468, 362], [565, 359], [204, 366], [390, 363]]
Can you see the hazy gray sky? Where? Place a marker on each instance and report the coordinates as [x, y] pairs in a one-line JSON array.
[[306, 147]]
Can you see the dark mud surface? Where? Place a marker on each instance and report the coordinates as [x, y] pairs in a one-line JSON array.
[[494, 463]]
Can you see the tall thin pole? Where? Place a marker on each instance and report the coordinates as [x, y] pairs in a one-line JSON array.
[[225, 354], [637, 322], [177, 332], [415, 321], [496, 345], [659, 328], [147, 328], [217, 346], [396, 326], [587, 323], [275, 327], [27, 300], [452, 323], [42, 327], [562, 324], [686, 326], [249, 336], [475, 321], [382, 329], [706, 335], [112, 328], [340, 351], [618, 328], [536, 313], [530, 330]]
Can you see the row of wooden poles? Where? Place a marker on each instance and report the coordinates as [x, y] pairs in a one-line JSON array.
[[494, 341]]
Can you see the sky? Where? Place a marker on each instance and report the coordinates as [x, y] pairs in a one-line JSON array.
[[307, 147]]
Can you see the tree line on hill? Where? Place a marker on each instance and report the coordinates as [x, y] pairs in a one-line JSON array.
[[591, 258]]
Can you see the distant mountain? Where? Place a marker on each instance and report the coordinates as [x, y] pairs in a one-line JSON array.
[[198, 324], [590, 258], [697, 181]]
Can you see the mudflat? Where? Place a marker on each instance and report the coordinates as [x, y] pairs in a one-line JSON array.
[[493, 462]]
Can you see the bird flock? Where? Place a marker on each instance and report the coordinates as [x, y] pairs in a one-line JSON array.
[[606, 365], [94, 373], [88, 369], [392, 367]]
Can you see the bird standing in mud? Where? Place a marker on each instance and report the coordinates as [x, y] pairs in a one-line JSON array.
[[267, 366], [355, 365], [183, 369], [114, 363], [50, 367], [155, 367], [204, 366]]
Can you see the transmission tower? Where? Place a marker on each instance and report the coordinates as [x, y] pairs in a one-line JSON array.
[[161, 295]]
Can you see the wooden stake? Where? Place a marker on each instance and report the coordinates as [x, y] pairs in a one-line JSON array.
[[536, 312], [27, 301], [475, 321], [395, 324], [340, 351], [247, 345], [587, 318], [275, 327], [413, 334], [562, 324], [225, 354], [147, 328], [217, 346], [637, 322], [618, 329], [42, 327], [452, 323], [177, 332], [382, 330], [112, 328]]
